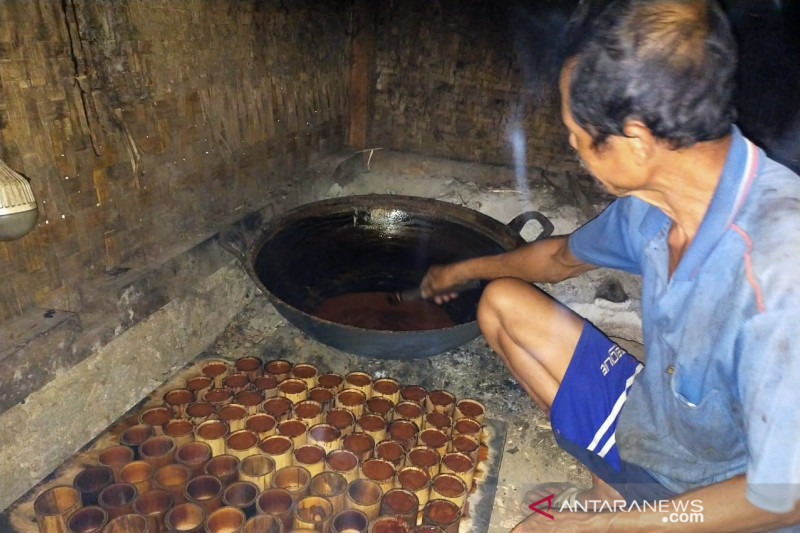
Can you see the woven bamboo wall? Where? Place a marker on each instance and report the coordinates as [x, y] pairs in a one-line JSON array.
[[144, 123], [469, 80]]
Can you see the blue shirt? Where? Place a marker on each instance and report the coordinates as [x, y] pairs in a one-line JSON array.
[[720, 393]]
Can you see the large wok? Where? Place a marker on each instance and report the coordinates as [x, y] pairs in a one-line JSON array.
[[372, 243]]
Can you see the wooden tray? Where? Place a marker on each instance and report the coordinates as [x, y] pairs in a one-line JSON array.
[[20, 517]]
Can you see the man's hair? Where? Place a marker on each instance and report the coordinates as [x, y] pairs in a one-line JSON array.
[[668, 63]]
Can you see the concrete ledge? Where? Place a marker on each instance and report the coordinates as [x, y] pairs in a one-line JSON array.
[[52, 423], [32, 351], [41, 345]]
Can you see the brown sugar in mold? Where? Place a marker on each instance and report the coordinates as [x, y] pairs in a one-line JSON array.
[[325, 433], [342, 419], [408, 409], [371, 422], [441, 401], [279, 368], [403, 429], [342, 460], [236, 382], [389, 524], [380, 406], [322, 396], [391, 451], [378, 470], [360, 444], [441, 421], [471, 408], [262, 423], [387, 387], [400, 500], [358, 379], [331, 380], [414, 393], [413, 478], [442, 513], [433, 438], [250, 365], [251, 399], [267, 384], [309, 454], [278, 407], [308, 409], [425, 458], [449, 486]]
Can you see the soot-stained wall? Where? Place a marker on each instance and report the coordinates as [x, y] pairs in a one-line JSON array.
[[145, 123], [475, 81]]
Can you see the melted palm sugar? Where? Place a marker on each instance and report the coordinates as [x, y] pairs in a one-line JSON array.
[[375, 310]]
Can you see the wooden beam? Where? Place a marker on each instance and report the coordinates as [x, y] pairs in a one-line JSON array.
[[362, 69]]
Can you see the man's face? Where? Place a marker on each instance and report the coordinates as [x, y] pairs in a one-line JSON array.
[[610, 164]]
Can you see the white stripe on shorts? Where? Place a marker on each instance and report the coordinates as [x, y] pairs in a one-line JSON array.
[[609, 445], [613, 416]]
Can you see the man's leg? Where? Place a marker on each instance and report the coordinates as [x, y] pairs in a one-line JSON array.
[[532, 333], [535, 336]]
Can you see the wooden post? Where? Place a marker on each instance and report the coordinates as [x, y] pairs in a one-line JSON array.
[[362, 68]]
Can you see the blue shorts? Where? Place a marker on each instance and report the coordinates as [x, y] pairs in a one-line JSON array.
[[585, 411]]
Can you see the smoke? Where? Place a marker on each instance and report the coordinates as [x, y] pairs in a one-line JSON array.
[[517, 140]]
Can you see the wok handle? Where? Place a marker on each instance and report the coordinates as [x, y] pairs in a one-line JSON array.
[[520, 220]]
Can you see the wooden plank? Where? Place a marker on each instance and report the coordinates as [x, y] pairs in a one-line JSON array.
[[362, 71]]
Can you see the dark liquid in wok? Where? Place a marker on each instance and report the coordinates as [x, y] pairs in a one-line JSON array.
[[374, 310]]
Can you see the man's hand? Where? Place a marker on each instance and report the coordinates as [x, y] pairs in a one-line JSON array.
[[439, 278]]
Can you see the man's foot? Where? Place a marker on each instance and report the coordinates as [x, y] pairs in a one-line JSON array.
[[562, 493], [568, 494]]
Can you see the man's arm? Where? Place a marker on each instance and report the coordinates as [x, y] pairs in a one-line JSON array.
[[724, 509], [543, 261]]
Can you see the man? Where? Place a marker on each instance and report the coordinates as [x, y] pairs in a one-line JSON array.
[[713, 226]]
